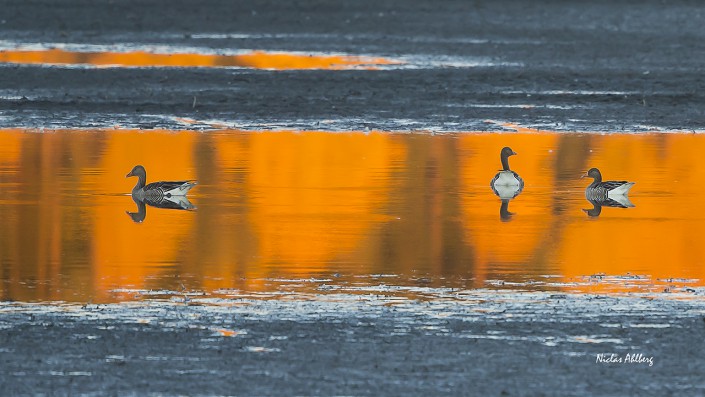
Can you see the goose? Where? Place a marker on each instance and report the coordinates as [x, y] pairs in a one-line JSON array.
[[607, 191], [507, 184], [157, 192]]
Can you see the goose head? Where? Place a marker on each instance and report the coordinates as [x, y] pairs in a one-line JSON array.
[[507, 151], [593, 173], [504, 156], [138, 171]]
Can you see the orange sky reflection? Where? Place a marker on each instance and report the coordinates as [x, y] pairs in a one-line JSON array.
[[254, 59], [296, 205]]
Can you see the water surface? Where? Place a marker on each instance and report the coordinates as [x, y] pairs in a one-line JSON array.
[[310, 211]]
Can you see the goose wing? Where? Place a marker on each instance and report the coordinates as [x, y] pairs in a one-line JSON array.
[[521, 181], [611, 185], [172, 188], [173, 203]]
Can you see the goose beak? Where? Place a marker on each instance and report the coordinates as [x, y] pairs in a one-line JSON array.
[[129, 174], [585, 175], [514, 153]]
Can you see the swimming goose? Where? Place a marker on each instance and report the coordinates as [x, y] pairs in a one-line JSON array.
[[157, 192], [507, 184], [603, 192]]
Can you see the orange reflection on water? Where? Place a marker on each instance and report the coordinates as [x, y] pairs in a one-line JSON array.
[[254, 59], [133, 253], [299, 205], [664, 232], [316, 196], [532, 161]]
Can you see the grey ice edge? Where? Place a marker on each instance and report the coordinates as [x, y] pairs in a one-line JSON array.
[[51, 120]]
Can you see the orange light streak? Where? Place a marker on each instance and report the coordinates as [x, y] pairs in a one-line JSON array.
[[255, 60]]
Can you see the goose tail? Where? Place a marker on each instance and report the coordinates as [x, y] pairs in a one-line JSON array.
[[181, 189], [187, 186], [621, 190]]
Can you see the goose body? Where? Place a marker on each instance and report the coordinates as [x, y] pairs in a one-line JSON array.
[[157, 192], [506, 183], [607, 191]]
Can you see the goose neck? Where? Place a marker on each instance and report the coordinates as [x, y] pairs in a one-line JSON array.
[[505, 163], [597, 179], [141, 182]]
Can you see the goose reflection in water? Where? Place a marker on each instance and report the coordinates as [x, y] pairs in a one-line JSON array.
[[172, 203], [617, 201], [163, 194], [504, 213], [506, 184]]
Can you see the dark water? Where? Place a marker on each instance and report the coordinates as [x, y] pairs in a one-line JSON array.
[[308, 211]]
